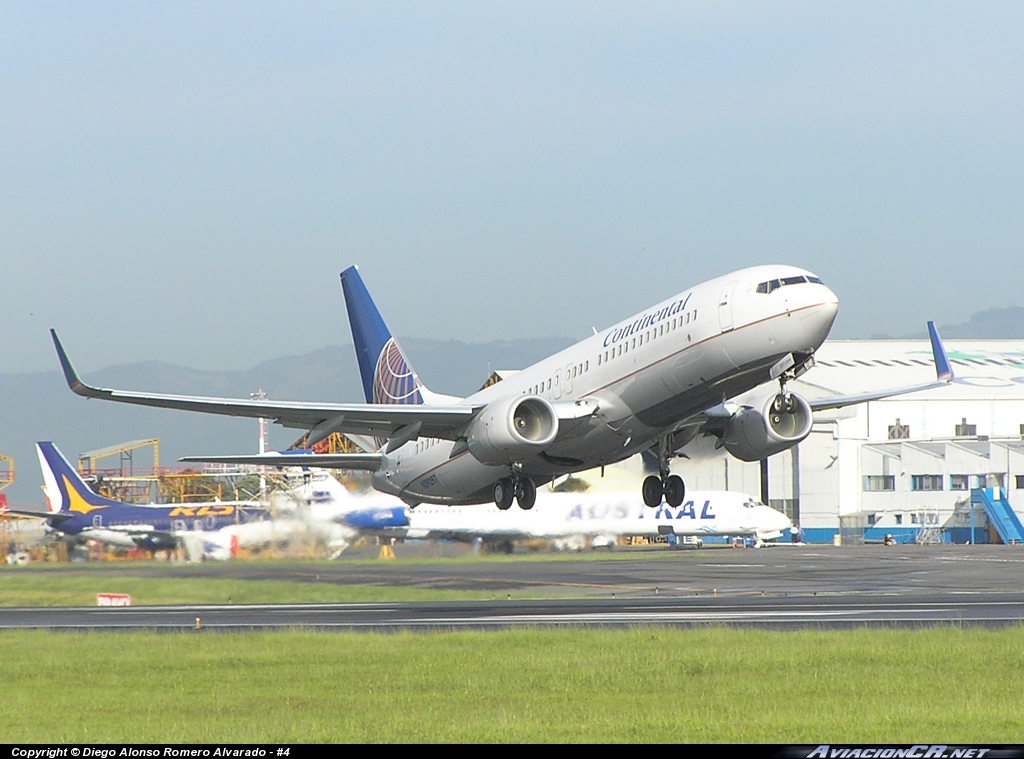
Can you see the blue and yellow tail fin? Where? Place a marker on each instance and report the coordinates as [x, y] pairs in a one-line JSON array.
[[387, 376], [65, 490]]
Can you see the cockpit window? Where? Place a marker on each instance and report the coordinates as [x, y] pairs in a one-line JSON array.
[[774, 284]]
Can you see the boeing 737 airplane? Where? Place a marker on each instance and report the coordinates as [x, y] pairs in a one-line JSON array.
[[77, 512], [714, 359]]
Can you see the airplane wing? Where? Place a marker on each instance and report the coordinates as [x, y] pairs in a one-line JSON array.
[[943, 376], [369, 462], [321, 419], [714, 420], [143, 535], [53, 517]]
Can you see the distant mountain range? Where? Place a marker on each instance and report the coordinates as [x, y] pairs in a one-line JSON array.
[[39, 406], [993, 324]]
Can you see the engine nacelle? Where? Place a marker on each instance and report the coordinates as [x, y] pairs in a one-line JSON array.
[[753, 434], [510, 429]]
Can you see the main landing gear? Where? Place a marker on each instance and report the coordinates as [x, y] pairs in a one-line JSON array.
[[515, 487], [670, 486]]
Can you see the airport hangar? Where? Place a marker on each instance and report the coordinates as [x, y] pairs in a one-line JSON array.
[[908, 466]]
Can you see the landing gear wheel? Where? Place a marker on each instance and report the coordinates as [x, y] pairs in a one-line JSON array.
[[675, 490], [653, 490], [504, 492], [526, 494]]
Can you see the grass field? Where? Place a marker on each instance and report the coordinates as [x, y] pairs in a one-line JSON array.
[[707, 685], [52, 589]]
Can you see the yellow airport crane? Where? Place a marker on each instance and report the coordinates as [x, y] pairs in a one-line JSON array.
[[188, 486], [337, 443], [6, 478], [6, 472], [126, 481], [333, 443], [134, 483]]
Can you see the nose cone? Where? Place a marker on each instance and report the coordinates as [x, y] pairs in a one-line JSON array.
[[829, 302], [774, 523], [821, 315], [781, 522], [829, 297]]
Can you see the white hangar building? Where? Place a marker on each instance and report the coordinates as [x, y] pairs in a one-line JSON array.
[[906, 465]]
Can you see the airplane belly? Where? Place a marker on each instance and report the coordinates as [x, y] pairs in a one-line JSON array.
[[599, 443], [439, 479], [110, 537]]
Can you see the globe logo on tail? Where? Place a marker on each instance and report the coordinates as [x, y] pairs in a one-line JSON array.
[[394, 382]]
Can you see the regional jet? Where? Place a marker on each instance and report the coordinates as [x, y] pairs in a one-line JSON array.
[[339, 517], [714, 359], [571, 518]]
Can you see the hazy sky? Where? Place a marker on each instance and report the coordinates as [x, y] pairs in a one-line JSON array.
[[185, 180]]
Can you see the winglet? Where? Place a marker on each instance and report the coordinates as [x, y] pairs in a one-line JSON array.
[[65, 363], [943, 369]]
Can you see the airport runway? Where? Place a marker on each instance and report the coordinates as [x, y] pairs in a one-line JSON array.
[[821, 612], [780, 587]]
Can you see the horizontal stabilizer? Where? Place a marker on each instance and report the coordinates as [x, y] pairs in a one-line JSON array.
[[368, 462], [54, 518]]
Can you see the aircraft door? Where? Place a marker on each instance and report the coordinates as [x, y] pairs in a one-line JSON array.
[[725, 307], [568, 379]]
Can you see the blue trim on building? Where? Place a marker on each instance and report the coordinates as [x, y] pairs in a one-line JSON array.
[[819, 534]]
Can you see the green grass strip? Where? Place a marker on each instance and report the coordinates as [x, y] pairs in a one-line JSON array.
[[651, 685], [51, 589]]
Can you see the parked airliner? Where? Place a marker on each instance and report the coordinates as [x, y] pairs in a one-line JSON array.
[[78, 513], [600, 517], [339, 517], [714, 359]]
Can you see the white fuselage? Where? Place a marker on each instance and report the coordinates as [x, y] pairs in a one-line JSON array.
[[645, 375], [563, 515]]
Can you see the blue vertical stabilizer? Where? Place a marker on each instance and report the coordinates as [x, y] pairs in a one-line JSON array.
[[387, 376], [65, 487]]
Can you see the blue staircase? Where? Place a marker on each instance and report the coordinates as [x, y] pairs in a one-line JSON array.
[[999, 514]]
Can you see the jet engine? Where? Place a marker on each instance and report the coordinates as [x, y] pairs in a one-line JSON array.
[[752, 434], [509, 429]]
